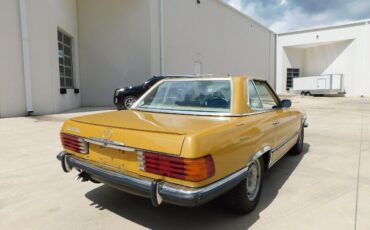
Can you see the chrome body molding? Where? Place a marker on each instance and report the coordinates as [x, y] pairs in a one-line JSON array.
[[284, 142], [280, 146], [109, 144], [179, 112], [156, 190], [266, 149], [271, 151]]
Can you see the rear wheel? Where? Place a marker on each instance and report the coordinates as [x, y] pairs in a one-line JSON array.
[[129, 101], [244, 197]]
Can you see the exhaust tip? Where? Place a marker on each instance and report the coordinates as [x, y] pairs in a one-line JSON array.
[[82, 177]]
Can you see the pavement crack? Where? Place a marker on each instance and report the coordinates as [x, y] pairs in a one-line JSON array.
[[358, 167]]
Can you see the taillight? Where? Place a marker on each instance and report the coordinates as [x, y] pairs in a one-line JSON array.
[[74, 143], [189, 169]]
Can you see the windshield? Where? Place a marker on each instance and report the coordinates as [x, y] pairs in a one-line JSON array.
[[189, 95]]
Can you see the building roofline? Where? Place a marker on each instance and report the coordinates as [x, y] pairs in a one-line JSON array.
[[354, 23], [244, 15]]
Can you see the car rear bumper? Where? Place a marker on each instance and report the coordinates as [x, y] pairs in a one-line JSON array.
[[156, 190]]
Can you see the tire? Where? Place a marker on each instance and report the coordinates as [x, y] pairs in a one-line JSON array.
[[241, 198], [298, 147], [129, 101], [303, 93], [308, 93]]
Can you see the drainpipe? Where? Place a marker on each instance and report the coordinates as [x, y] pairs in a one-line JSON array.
[[26, 55], [161, 24]]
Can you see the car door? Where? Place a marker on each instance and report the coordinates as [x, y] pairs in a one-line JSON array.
[[263, 120], [284, 121]]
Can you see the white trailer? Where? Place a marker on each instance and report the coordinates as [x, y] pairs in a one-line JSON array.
[[331, 84]]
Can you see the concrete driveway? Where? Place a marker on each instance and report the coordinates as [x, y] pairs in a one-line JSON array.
[[327, 187]]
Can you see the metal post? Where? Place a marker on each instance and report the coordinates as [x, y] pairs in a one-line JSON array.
[[161, 22], [26, 55]]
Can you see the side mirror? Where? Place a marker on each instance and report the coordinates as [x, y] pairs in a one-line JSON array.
[[286, 103]]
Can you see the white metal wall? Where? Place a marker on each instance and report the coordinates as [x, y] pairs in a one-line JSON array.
[[12, 94], [115, 37], [120, 43], [43, 19], [223, 40], [117, 43]]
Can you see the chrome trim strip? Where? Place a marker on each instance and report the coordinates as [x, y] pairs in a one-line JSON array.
[[109, 144], [179, 112], [271, 163], [284, 142], [259, 154], [203, 113]]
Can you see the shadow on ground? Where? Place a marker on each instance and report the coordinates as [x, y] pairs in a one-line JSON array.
[[209, 216]]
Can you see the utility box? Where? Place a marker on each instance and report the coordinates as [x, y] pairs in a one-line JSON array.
[[331, 84]]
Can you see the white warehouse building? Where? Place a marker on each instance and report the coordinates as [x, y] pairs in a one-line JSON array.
[[336, 50], [62, 54]]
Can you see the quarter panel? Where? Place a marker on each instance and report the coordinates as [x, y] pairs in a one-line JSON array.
[[233, 145]]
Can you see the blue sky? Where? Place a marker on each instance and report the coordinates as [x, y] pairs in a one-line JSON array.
[[287, 15]]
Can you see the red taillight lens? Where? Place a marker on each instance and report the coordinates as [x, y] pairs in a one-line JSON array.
[[196, 169], [74, 143]]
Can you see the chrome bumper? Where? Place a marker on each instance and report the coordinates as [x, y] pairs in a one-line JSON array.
[[158, 191]]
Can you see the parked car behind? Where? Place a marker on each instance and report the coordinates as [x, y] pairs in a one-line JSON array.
[[187, 141], [124, 98]]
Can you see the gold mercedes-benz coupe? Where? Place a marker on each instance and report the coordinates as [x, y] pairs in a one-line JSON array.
[[187, 141]]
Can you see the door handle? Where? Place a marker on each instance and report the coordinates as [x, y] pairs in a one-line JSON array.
[[275, 123]]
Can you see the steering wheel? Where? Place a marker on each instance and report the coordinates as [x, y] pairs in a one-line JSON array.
[[216, 102]]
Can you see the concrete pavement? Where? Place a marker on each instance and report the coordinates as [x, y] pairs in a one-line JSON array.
[[326, 187]]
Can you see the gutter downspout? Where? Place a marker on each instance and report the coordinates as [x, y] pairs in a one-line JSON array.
[[161, 25], [26, 55]]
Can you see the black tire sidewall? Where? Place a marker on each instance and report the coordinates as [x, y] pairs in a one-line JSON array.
[[238, 197]]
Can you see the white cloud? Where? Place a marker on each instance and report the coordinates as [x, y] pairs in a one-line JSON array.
[[288, 15], [297, 19], [283, 2]]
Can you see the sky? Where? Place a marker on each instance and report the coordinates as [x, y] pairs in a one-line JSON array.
[[289, 15]]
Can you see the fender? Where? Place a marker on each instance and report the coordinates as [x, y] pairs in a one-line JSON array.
[[261, 152]]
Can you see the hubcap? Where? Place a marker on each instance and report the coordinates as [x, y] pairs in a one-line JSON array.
[[253, 180], [129, 102]]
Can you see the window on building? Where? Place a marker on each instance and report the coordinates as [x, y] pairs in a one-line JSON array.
[[291, 73], [65, 60]]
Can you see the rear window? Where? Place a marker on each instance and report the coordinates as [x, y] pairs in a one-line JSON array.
[[212, 96]]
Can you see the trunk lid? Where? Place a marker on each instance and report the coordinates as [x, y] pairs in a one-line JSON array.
[[157, 132]]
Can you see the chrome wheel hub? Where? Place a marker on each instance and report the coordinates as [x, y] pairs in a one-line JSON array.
[[253, 180], [129, 102]]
